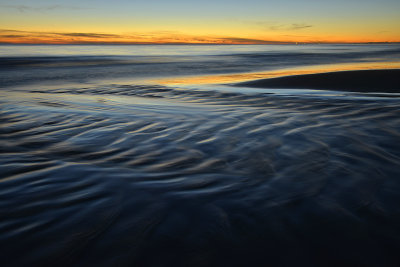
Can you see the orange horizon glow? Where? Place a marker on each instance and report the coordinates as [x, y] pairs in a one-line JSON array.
[[166, 37], [198, 22]]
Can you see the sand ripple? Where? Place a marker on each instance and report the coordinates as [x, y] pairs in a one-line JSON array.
[[150, 175]]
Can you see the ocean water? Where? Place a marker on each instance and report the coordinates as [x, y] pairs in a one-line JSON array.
[[145, 156]]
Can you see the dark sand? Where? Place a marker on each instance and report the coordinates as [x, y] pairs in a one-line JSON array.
[[358, 81], [145, 175]]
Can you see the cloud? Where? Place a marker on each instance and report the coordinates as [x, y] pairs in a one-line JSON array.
[[275, 26], [382, 32], [18, 33], [297, 26], [18, 36], [290, 27], [89, 35], [25, 8], [12, 35], [161, 37], [238, 40], [11, 31]]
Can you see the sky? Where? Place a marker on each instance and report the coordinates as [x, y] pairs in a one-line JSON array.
[[205, 21]]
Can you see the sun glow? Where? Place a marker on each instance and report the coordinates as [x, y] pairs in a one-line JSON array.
[[218, 21]]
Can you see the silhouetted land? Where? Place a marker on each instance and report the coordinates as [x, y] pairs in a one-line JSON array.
[[358, 81]]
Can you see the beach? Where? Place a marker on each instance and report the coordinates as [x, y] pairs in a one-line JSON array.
[[376, 81], [101, 165]]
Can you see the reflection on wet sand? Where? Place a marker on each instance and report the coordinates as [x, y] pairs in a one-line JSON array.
[[243, 77]]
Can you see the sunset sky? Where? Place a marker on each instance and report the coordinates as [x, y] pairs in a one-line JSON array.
[[206, 21]]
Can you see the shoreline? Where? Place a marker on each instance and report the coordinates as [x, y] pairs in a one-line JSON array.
[[379, 81]]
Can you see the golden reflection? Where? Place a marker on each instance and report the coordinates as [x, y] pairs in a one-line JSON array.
[[242, 77]]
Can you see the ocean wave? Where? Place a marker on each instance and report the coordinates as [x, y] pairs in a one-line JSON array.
[[136, 62]]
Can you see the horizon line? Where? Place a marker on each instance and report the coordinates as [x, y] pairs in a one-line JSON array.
[[189, 43]]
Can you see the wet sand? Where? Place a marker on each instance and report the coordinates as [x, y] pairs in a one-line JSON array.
[[155, 176], [382, 81]]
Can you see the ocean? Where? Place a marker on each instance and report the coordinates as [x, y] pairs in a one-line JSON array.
[[152, 155]]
